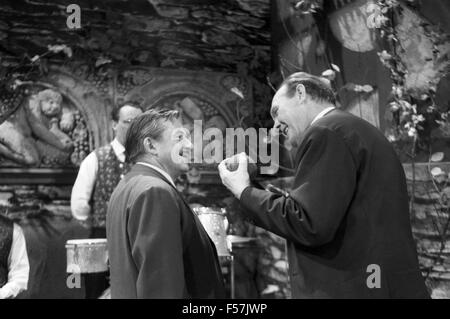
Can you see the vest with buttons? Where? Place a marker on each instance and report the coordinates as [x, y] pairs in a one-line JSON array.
[[6, 238], [110, 171]]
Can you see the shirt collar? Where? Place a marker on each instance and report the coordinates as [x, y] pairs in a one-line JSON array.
[[118, 149], [159, 170], [323, 113]]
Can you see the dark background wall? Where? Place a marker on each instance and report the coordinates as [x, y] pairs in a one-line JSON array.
[[222, 36]]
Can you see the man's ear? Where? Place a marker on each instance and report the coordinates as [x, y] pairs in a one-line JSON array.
[[114, 125], [301, 92], [149, 146]]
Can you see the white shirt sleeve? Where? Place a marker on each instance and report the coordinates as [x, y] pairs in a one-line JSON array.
[[18, 266], [83, 187]]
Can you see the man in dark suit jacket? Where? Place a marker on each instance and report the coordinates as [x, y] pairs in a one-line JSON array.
[[346, 218], [157, 246]]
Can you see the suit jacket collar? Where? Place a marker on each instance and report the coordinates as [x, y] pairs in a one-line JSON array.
[[322, 114], [139, 169], [159, 170]]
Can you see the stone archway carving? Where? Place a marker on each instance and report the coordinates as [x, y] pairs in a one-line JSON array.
[[91, 94], [212, 89]]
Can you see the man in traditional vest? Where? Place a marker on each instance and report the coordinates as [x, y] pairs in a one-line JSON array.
[[14, 266], [100, 172], [98, 175]]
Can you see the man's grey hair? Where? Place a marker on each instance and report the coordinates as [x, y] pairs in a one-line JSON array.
[[149, 124], [318, 88]]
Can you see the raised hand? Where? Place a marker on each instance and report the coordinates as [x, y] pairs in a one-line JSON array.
[[234, 174]]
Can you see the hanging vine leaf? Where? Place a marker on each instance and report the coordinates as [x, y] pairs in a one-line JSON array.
[[308, 6], [335, 67], [437, 157], [367, 88], [60, 48], [359, 88], [238, 92], [101, 61], [437, 171], [329, 74]]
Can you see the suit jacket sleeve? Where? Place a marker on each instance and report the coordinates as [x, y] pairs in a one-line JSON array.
[[323, 188], [154, 229]]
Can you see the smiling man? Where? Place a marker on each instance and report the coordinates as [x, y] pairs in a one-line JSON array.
[[346, 217], [157, 246]]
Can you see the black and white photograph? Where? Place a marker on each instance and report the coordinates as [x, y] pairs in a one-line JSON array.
[[224, 154]]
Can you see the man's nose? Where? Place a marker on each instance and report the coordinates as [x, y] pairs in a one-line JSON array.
[[276, 128], [275, 132], [276, 123], [188, 144]]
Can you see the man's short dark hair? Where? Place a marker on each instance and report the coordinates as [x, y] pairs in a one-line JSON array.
[[116, 110], [149, 124], [316, 87]]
